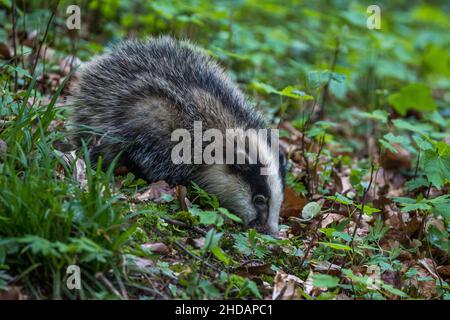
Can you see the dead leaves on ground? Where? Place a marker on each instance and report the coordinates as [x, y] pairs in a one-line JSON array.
[[155, 192], [292, 204], [286, 287]]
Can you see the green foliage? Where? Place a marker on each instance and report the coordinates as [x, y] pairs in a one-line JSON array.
[[413, 96]]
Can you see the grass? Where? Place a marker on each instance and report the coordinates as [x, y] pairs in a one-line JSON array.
[[48, 221]]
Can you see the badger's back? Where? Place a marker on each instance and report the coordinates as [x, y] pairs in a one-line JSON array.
[[132, 99]]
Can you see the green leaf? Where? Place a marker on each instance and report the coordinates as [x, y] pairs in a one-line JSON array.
[[212, 239], [206, 217], [393, 290], [404, 200], [324, 280], [367, 209], [416, 206], [295, 93], [422, 143], [379, 115], [415, 127], [415, 184], [388, 146], [336, 246], [436, 168], [413, 96], [290, 91], [311, 210], [343, 235], [221, 255], [229, 215]]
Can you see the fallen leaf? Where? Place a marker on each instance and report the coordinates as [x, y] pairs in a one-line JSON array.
[[196, 242], [157, 247], [29, 39], [254, 268], [286, 287], [12, 293], [138, 262], [155, 192], [425, 288], [292, 204], [182, 197], [428, 264], [444, 270], [327, 267], [396, 160], [79, 171], [6, 51], [330, 218]]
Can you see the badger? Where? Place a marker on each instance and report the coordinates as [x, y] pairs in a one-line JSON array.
[[126, 104]]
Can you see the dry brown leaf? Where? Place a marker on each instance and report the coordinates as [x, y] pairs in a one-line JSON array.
[[330, 218], [427, 288], [155, 192], [29, 38], [182, 197], [327, 267], [292, 204], [157, 247], [140, 263], [444, 270], [254, 268], [12, 293], [428, 264], [309, 283], [286, 287], [196, 242], [390, 160], [6, 51], [79, 172], [436, 222]]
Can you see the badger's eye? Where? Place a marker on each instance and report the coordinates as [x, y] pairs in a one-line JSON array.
[[259, 200]]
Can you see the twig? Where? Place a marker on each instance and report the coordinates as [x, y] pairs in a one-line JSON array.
[[417, 165], [316, 180], [184, 225], [189, 253], [327, 85], [428, 190], [100, 276], [305, 158], [282, 291]]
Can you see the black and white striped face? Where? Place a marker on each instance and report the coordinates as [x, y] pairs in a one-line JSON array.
[[247, 192], [264, 197]]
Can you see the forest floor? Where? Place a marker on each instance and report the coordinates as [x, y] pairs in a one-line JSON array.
[[364, 220]]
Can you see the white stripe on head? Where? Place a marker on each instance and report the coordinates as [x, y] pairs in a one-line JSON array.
[[270, 159]]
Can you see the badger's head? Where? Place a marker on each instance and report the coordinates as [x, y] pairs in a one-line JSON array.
[[253, 190]]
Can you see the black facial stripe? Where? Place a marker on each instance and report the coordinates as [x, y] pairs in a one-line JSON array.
[[251, 174]]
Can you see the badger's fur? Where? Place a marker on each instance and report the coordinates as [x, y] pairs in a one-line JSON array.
[[130, 101]]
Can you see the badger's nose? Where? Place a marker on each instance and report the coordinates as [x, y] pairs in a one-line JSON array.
[[261, 228]]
